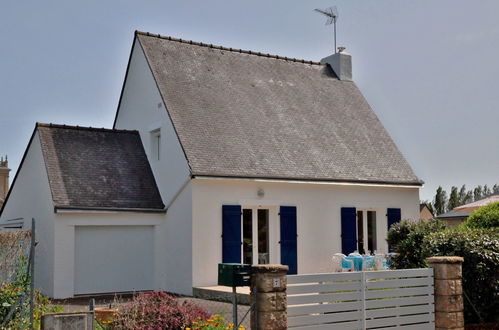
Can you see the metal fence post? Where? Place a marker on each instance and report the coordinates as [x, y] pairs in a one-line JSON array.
[[234, 306]]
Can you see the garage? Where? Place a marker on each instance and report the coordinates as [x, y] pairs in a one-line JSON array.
[[112, 259]]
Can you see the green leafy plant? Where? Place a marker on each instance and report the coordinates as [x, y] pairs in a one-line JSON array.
[[484, 217], [480, 250], [406, 239]]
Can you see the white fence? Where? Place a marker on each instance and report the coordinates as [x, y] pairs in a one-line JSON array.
[[401, 299]]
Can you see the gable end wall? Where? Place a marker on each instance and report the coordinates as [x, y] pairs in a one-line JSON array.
[[31, 198]]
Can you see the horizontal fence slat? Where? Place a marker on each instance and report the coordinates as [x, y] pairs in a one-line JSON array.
[[400, 320], [424, 326], [399, 292], [396, 311], [323, 308], [394, 299], [384, 284], [323, 288], [324, 318], [330, 277], [382, 303], [333, 326], [318, 298], [380, 274]]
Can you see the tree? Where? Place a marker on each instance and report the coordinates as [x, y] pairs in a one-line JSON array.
[[477, 193], [462, 195], [486, 191], [469, 197], [495, 189], [440, 201], [453, 198]]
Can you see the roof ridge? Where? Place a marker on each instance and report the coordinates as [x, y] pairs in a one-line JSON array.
[[86, 128], [235, 50]]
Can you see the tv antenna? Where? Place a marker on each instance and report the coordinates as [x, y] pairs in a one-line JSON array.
[[332, 16]]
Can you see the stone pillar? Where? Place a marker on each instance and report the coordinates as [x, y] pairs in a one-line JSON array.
[[448, 292], [65, 321], [268, 287]]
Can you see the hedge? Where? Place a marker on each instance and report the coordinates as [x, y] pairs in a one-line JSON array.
[[480, 250], [416, 241]]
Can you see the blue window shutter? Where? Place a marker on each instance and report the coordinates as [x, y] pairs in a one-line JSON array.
[[393, 216], [289, 245], [348, 230], [231, 233]]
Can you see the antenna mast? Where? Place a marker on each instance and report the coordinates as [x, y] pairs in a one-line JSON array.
[[332, 14]]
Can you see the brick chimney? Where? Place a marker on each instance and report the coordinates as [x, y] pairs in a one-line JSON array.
[[341, 63], [4, 178]]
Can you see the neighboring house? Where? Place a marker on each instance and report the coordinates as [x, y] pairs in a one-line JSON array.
[[257, 159], [425, 213], [461, 213], [4, 179]]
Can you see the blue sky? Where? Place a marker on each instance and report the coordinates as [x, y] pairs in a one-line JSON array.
[[429, 69]]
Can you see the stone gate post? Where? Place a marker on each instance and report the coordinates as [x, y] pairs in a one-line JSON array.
[[268, 287], [448, 292]]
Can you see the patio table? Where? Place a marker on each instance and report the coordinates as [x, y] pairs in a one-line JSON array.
[[358, 260]]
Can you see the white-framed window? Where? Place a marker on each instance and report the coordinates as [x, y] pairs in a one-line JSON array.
[[156, 144]]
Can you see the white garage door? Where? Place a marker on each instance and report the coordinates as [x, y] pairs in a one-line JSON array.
[[113, 259]]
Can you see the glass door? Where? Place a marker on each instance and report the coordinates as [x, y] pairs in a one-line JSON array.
[[256, 236], [366, 231]]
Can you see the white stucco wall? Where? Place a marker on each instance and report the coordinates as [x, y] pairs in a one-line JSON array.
[[31, 198], [175, 254], [318, 218], [142, 108]]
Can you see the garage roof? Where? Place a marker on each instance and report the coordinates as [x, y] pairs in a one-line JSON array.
[[97, 168]]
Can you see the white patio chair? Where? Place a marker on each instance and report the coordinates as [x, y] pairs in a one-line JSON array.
[[368, 263], [380, 262], [341, 264]]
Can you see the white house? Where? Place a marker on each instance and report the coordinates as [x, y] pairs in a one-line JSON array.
[[256, 158]]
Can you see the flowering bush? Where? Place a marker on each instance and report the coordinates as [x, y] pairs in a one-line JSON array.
[[10, 297], [216, 322], [157, 310]]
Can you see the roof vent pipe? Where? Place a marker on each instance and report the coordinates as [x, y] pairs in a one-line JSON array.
[[341, 63]]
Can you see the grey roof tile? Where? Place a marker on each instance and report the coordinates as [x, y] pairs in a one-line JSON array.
[[97, 168], [245, 114]]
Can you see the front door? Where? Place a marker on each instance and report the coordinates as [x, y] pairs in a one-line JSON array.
[[256, 236]]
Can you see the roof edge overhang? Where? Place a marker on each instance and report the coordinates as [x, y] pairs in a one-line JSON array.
[[91, 209], [316, 181]]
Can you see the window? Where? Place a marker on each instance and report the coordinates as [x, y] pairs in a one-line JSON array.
[[366, 231], [156, 144]]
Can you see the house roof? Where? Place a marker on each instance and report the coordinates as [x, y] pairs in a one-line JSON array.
[[97, 168], [250, 115]]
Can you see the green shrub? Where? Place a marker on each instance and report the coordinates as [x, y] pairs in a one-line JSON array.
[[406, 239], [484, 217], [480, 250]]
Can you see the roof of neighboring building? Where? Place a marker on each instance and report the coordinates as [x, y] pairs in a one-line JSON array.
[[97, 168], [250, 115], [454, 214], [479, 203]]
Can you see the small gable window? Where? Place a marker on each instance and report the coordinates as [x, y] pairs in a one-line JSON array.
[[156, 144]]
